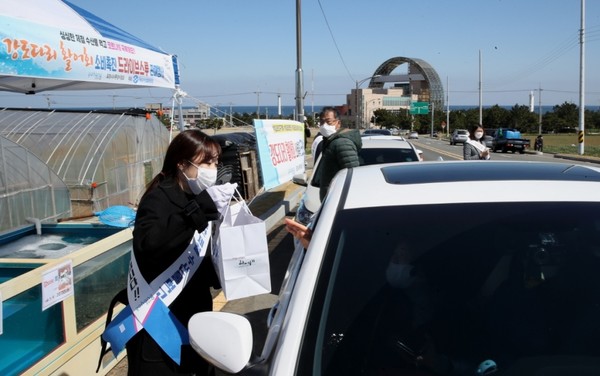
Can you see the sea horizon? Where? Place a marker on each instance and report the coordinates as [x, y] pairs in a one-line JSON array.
[[286, 111]]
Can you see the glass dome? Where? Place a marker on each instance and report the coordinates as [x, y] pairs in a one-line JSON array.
[[105, 158]]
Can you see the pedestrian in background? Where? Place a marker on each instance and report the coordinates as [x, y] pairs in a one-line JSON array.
[[539, 143], [474, 148], [306, 132]]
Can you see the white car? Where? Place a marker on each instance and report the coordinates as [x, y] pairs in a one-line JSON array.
[[375, 150], [413, 136], [499, 276]]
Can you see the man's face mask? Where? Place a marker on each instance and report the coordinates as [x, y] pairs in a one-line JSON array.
[[327, 130]]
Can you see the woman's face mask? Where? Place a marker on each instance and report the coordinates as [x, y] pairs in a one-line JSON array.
[[206, 177]]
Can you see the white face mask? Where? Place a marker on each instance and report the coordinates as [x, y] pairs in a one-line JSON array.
[[206, 177], [478, 135], [327, 130]]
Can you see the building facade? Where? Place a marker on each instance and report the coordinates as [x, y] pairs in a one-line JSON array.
[[394, 92]]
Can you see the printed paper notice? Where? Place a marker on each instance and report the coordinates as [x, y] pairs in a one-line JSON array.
[[57, 284]]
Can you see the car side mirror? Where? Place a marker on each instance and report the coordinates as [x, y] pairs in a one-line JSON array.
[[300, 179], [224, 339]]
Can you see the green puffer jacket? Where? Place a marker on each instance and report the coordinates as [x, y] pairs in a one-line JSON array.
[[340, 150]]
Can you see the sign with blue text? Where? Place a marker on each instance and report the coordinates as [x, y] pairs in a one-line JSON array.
[[280, 145]]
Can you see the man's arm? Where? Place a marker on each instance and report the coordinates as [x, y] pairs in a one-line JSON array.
[[347, 154]]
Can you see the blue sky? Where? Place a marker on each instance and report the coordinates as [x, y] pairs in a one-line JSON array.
[[231, 49]]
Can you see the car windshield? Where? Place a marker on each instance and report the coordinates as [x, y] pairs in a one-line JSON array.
[[449, 289]]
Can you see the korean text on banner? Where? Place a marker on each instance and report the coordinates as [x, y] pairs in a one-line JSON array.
[[280, 145], [53, 52]]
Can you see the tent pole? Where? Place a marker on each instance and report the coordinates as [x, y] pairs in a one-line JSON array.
[[179, 95]]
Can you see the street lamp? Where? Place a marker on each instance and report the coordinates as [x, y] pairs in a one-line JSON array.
[[367, 112], [358, 83]]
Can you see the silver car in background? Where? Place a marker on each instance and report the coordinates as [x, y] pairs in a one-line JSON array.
[[459, 136]]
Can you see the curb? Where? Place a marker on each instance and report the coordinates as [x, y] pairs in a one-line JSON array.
[[279, 211], [579, 158]]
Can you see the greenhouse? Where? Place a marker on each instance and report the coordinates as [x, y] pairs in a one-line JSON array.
[[28, 188], [56, 164]]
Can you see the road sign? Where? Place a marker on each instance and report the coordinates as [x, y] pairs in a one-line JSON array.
[[419, 108]]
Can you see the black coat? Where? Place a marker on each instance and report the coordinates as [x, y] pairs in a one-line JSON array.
[[165, 223]]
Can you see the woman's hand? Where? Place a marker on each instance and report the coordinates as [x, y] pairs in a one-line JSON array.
[[299, 231]]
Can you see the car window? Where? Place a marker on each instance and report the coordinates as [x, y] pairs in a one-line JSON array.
[[518, 283], [378, 156], [369, 156]]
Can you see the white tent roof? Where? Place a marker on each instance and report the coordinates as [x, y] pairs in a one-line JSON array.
[[55, 45]]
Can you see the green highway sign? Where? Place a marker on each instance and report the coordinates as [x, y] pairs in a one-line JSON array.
[[419, 108]]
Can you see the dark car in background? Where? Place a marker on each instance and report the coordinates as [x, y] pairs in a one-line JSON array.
[[377, 132]]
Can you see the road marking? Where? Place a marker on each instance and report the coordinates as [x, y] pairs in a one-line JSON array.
[[440, 151]]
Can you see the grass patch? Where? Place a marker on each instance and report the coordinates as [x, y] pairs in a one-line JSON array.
[[568, 144]]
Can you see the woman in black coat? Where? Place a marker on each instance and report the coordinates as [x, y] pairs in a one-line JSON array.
[[176, 207]]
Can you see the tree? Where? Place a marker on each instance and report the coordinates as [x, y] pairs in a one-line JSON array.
[[522, 118], [563, 118], [496, 117]]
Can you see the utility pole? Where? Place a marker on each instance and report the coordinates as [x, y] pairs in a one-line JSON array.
[[257, 104], [299, 79], [480, 93], [582, 81], [447, 107], [540, 109]]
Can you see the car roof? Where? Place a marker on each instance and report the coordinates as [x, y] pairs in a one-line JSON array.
[[453, 182]]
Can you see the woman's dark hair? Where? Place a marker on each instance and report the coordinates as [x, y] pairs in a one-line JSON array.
[[472, 130], [183, 149]]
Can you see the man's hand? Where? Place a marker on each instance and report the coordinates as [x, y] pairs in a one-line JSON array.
[[299, 231]]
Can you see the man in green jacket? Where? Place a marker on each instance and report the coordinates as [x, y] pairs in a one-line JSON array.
[[340, 150]]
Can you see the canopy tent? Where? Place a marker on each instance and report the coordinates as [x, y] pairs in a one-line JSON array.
[[55, 45]]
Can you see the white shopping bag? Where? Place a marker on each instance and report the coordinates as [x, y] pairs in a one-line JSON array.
[[241, 254]]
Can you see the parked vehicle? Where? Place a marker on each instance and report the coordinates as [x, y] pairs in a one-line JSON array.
[[413, 136], [509, 139], [489, 141], [375, 150], [508, 282], [459, 136]]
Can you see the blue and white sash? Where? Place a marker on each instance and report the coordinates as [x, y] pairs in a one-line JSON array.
[[148, 303]]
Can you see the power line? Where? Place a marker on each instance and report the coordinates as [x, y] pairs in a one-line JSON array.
[[334, 42]]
